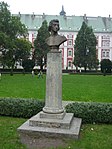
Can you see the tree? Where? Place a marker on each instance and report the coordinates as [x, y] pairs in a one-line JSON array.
[[22, 50], [11, 29], [106, 66], [28, 65], [85, 48], [41, 47]]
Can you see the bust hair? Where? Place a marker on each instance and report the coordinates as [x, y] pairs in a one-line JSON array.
[[51, 22]]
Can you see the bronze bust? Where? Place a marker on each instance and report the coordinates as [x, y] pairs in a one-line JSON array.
[[55, 40]]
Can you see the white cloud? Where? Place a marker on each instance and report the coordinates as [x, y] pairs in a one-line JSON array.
[[71, 7]]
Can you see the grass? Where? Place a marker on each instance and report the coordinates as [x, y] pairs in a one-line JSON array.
[[92, 136], [24, 86], [87, 88], [75, 87], [9, 139]]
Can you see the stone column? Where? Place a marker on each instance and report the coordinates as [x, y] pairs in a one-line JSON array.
[[53, 103]]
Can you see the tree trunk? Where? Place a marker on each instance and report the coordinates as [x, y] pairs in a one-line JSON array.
[[85, 68], [11, 72], [41, 66], [104, 72]]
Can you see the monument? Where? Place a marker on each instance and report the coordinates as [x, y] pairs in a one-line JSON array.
[[53, 123]]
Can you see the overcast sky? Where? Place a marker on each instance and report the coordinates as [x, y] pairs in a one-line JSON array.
[[53, 7]]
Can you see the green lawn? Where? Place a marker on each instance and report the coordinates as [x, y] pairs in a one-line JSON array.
[[91, 137], [75, 87], [9, 138]]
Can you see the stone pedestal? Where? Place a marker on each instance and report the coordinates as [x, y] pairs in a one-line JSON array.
[[53, 103], [44, 133], [53, 123]]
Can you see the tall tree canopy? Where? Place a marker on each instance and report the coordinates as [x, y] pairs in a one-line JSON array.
[[85, 48], [41, 47], [11, 32]]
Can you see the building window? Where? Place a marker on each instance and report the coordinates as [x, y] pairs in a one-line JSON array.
[[105, 37], [70, 43], [105, 43], [70, 36], [69, 52], [69, 64], [62, 51], [105, 53]]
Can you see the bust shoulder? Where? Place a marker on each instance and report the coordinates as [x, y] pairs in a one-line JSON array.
[[55, 40]]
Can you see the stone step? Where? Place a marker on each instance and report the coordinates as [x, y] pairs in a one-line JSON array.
[[51, 122], [72, 132]]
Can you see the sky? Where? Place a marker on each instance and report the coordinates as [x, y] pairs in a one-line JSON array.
[[92, 8]]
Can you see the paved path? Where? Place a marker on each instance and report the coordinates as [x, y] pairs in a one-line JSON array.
[[65, 103]]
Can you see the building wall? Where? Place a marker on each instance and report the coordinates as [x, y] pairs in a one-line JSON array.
[[70, 25], [104, 47]]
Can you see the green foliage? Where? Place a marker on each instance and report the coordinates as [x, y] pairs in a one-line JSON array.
[[10, 25], [91, 112], [20, 107], [5, 18], [10, 29], [22, 50], [85, 48], [106, 66], [17, 29], [28, 65], [40, 45]]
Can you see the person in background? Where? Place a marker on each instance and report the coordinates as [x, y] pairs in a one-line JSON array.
[[32, 73], [40, 74]]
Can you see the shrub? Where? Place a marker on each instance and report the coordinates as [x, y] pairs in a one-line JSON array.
[[106, 66], [28, 65], [91, 112], [20, 107]]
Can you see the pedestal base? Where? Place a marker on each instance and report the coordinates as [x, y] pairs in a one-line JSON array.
[[37, 128], [49, 122], [52, 116]]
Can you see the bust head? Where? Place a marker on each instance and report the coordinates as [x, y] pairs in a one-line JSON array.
[[54, 27]]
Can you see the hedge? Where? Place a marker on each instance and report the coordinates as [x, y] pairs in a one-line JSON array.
[[91, 112], [20, 107]]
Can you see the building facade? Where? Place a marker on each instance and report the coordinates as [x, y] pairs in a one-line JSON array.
[[69, 27]]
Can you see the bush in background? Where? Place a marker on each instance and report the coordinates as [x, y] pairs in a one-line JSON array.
[[20, 107], [28, 65], [91, 112], [106, 66]]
